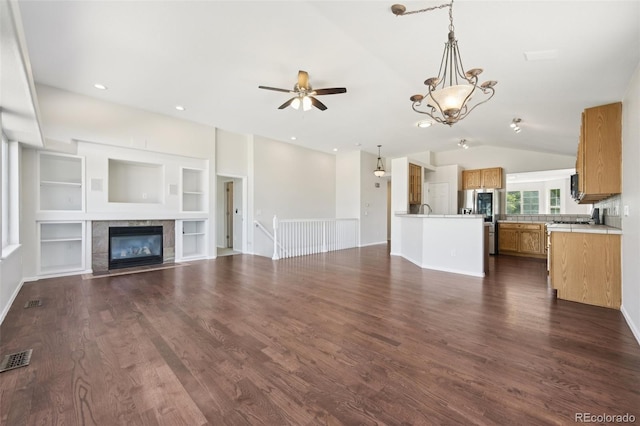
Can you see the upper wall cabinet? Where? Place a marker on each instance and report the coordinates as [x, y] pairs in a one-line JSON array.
[[61, 179], [415, 184], [599, 159], [482, 178]]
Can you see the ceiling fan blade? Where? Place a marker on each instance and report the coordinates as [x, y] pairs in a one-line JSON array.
[[286, 104], [303, 80], [316, 103], [274, 88], [332, 91]]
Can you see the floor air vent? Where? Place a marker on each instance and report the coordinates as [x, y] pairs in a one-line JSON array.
[[19, 359], [33, 303]]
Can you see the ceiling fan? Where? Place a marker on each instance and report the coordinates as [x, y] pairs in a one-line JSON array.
[[304, 94]]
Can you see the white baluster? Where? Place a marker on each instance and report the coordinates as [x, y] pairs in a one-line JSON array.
[[276, 256]]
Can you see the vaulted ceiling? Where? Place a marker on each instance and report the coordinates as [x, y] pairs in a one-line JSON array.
[[211, 56]]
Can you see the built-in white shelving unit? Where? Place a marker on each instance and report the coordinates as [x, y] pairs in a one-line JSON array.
[[61, 179], [193, 190], [61, 247], [191, 239], [135, 182]]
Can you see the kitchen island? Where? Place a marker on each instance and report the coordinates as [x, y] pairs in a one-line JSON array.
[[450, 243]]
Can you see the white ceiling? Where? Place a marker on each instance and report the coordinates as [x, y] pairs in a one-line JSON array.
[[210, 56]]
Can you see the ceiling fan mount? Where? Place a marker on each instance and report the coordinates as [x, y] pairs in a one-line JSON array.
[[304, 94]]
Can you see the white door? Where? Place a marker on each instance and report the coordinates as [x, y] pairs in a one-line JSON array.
[[438, 196]]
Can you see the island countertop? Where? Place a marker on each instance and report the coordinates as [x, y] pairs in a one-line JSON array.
[[440, 216], [584, 228]]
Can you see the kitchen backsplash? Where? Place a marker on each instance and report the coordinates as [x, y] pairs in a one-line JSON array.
[[610, 211], [544, 217], [610, 214]]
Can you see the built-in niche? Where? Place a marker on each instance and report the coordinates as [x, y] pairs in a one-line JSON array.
[[135, 182]]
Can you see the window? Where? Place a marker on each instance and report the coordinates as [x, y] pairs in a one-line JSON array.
[[554, 201], [514, 202], [530, 204], [9, 208], [4, 179], [522, 202]]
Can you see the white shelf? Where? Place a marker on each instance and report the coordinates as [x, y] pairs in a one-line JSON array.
[[54, 183], [191, 239], [193, 190], [61, 247], [61, 179], [60, 240]]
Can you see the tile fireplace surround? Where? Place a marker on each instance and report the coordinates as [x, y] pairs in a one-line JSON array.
[[100, 240]]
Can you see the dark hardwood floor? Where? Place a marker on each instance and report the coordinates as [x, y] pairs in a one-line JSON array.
[[345, 338]]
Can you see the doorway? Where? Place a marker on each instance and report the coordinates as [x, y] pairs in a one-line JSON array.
[[231, 227], [228, 214]]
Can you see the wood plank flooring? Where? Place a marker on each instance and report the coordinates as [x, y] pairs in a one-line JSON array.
[[353, 337]]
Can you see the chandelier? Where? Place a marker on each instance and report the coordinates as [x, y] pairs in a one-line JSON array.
[[448, 97], [379, 171]]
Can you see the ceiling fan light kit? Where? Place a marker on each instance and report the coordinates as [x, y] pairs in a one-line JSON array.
[[304, 95], [448, 97]]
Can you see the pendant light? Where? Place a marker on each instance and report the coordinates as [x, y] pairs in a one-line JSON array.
[[379, 171], [449, 95]]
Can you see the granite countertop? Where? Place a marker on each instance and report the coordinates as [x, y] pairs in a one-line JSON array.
[[584, 228]]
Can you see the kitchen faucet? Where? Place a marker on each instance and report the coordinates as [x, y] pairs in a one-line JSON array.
[[422, 208]]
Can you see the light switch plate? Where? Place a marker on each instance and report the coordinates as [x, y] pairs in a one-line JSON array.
[[626, 210]]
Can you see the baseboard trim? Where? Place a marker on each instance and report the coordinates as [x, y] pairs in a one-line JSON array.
[[373, 244], [630, 323], [11, 300]]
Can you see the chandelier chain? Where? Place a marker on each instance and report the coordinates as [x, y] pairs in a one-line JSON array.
[[429, 9]]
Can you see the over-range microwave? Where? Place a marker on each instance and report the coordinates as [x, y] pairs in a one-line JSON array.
[[574, 187]]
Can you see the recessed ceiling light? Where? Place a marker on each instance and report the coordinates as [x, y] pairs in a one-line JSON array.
[[335, 149], [293, 138], [100, 86], [180, 107], [358, 144], [424, 124]]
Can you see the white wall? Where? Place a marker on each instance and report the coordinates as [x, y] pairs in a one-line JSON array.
[[511, 160], [631, 198], [291, 182], [231, 153], [348, 184], [444, 174], [68, 116], [10, 280], [399, 200], [373, 202]]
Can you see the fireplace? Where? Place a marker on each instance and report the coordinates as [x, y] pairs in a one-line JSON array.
[[135, 246]]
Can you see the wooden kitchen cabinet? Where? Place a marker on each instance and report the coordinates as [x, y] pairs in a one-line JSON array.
[[482, 178], [492, 178], [472, 179], [599, 158], [522, 239], [415, 184], [586, 268]]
